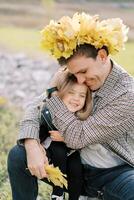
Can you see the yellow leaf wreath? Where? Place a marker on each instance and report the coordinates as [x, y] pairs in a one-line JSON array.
[[61, 38]]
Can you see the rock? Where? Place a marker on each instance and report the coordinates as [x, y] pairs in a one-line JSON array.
[[41, 75], [23, 78]]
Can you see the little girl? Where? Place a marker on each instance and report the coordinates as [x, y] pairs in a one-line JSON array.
[[77, 98]]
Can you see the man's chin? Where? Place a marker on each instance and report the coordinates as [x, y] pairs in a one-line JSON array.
[[93, 89]]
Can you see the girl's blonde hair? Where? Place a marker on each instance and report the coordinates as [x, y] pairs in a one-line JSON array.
[[65, 81]]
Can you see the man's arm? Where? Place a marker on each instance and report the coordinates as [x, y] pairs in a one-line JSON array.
[[29, 126], [29, 135], [115, 119]]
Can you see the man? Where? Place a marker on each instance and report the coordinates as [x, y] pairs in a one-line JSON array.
[[105, 138]]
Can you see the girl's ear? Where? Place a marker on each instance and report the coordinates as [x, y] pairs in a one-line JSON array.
[[102, 54]]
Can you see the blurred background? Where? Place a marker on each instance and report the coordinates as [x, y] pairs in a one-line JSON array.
[[25, 70]]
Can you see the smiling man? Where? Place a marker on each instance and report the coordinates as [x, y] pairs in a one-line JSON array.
[[106, 137], [92, 72]]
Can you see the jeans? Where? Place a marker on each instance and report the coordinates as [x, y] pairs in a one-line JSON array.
[[116, 183], [25, 187]]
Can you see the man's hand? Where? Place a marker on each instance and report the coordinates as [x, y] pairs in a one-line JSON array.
[[56, 136], [58, 77], [36, 158]]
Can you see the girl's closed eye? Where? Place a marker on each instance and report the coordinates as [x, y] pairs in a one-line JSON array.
[[70, 92]]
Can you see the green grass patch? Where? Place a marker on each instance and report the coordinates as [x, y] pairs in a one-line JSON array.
[[9, 118], [20, 39], [28, 41], [125, 57]]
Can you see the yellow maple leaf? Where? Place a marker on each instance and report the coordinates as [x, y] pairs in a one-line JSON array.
[[56, 176]]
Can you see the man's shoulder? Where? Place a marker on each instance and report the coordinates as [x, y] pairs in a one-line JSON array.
[[124, 87], [118, 87], [37, 102], [117, 83], [125, 80]]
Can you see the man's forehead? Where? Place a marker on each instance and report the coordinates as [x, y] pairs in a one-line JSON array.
[[75, 69], [79, 64]]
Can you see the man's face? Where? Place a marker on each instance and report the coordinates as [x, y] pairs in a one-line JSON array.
[[87, 70]]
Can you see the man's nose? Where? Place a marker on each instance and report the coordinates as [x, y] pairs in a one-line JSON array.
[[81, 79]]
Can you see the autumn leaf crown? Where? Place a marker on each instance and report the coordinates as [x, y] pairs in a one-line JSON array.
[[61, 38]]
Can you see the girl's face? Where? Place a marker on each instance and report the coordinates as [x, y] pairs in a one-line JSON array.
[[74, 98]]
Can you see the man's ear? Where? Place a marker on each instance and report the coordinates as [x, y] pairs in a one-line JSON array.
[[102, 54]]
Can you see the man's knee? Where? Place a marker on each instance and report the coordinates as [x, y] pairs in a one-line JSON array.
[[16, 157], [122, 187]]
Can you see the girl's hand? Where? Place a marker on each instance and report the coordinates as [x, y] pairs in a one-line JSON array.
[[56, 136]]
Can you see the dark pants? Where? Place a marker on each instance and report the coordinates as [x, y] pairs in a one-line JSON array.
[[116, 183], [70, 165], [24, 185]]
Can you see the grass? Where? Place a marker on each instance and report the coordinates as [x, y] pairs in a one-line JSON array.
[[125, 58], [9, 117], [20, 39], [27, 40]]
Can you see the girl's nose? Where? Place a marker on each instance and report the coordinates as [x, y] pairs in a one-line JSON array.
[[76, 98]]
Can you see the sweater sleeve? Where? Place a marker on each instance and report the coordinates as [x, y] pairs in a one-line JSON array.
[[29, 125], [111, 122]]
